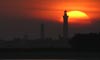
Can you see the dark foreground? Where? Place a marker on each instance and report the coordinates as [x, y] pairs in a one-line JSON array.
[[45, 53]]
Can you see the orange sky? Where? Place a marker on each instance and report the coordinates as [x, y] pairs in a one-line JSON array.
[[53, 9], [49, 9], [13, 12]]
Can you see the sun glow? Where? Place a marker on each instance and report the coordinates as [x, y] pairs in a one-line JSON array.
[[78, 17], [77, 14]]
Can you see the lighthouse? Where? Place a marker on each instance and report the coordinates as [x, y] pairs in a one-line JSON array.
[[65, 26]]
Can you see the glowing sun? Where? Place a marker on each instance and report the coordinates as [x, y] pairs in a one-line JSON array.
[[78, 17], [77, 14]]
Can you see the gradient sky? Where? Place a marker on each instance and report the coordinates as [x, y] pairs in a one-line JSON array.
[[19, 17]]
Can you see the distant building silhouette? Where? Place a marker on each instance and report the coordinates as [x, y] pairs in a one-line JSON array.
[[42, 32], [65, 26]]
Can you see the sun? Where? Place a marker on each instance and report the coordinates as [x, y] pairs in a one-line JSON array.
[[77, 14], [78, 17]]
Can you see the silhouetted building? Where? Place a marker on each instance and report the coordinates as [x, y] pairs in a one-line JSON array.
[[42, 32], [65, 26]]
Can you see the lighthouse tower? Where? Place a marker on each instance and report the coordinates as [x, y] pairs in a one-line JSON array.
[[65, 26]]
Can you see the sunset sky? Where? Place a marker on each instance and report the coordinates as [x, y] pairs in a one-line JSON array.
[[18, 17]]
